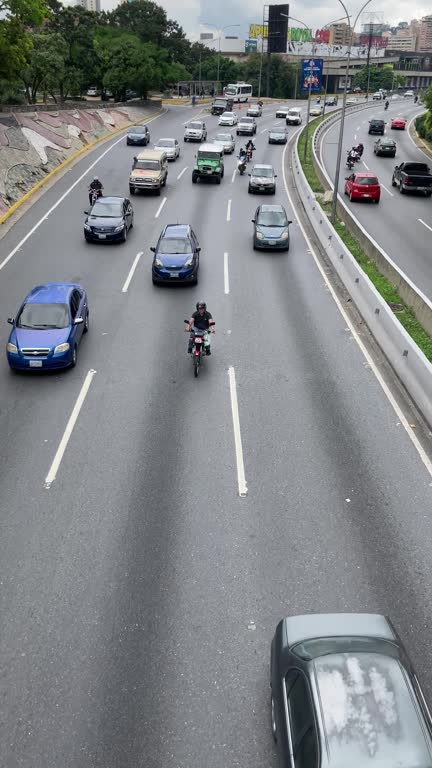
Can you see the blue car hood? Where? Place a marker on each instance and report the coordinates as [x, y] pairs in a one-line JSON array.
[[271, 231], [173, 259], [103, 221], [24, 337]]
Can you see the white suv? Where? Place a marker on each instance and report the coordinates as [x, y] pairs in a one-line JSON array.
[[195, 131], [246, 125], [293, 117]]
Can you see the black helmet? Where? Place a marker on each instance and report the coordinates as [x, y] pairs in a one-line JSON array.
[[201, 304]]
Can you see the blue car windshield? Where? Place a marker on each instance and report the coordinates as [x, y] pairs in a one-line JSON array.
[[175, 245], [43, 316], [272, 219]]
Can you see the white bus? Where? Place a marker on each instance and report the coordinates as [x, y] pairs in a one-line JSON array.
[[238, 91]]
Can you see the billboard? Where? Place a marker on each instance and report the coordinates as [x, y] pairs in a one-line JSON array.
[[277, 28], [251, 46], [311, 75]]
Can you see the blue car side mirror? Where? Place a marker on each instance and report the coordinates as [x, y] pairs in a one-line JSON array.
[[11, 320], [78, 321]]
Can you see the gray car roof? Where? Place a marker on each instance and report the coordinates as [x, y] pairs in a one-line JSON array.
[[369, 714], [315, 625]]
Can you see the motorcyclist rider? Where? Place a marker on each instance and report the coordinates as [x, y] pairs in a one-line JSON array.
[[415, 99], [386, 105], [250, 145], [242, 154], [97, 185], [200, 320], [359, 148]]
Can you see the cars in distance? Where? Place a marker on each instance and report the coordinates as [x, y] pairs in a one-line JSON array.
[[209, 163], [195, 131], [246, 125], [271, 228], [262, 179], [377, 96], [48, 327], [316, 110], [363, 186], [92, 91], [408, 94], [331, 101], [138, 135], [149, 171], [385, 147], [171, 147], [376, 126], [277, 135], [282, 112], [398, 123], [176, 255], [228, 118], [227, 140], [344, 692], [351, 101], [413, 177], [254, 110], [108, 220], [293, 116]]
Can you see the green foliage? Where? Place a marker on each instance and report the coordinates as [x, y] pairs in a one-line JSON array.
[[145, 19], [379, 77], [46, 65]]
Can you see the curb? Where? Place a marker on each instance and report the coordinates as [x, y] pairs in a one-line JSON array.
[[418, 139], [14, 207]]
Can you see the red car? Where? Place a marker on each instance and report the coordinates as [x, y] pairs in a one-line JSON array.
[[363, 186], [398, 122]]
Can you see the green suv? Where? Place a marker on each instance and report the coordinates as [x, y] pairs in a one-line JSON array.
[[209, 163]]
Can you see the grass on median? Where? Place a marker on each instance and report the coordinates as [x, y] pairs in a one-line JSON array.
[[384, 287]]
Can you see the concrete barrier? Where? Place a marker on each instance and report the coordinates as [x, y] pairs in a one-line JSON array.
[[412, 296], [407, 360]]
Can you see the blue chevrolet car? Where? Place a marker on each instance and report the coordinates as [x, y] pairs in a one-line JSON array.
[[176, 255], [48, 327]]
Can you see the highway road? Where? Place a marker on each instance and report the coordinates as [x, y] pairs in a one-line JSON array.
[[400, 224], [140, 591]]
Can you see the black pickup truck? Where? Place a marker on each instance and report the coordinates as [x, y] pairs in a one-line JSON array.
[[222, 105], [413, 177]]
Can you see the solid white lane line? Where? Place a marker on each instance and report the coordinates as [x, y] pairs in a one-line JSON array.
[[355, 137], [182, 172], [157, 214], [226, 274], [358, 128], [228, 218], [395, 405], [241, 480], [264, 130], [60, 200], [387, 190], [131, 273], [234, 175], [424, 224], [366, 166], [52, 474]]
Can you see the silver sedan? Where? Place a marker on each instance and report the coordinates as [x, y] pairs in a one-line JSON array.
[[227, 140], [170, 146]]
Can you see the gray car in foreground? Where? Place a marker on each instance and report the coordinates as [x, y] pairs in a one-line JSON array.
[[227, 140], [271, 228], [344, 695]]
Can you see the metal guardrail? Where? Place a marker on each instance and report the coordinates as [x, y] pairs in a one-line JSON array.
[[407, 360], [413, 297]]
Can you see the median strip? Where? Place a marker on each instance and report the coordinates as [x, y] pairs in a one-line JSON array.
[[384, 287]]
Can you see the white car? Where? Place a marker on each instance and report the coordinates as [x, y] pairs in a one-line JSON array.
[[282, 111], [92, 91], [351, 101], [255, 110], [246, 125], [407, 94], [195, 131], [228, 118], [227, 140], [377, 96], [171, 147], [316, 111], [294, 117]]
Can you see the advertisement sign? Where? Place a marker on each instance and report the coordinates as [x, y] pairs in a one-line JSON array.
[[311, 76], [251, 46], [341, 83]]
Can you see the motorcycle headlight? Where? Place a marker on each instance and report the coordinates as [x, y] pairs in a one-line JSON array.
[[61, 348], [259, 236], [87, 227], [158, 263], [119, 228], [284, 236], [12, 348], [189, 262]]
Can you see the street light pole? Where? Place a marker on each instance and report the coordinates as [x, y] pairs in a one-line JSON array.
[[261, 66], [219, 31], [342, 123]]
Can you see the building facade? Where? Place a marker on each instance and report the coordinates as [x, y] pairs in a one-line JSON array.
[[425, 34]]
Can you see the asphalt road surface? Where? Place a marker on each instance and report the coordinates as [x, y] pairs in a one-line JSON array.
[[140, 591], [400, 224]]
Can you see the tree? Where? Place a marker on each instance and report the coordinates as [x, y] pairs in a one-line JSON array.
[[46, 65], [77, 26], [379, 77], [145, 19], [16, 16]]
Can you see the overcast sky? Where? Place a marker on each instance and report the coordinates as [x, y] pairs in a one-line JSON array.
[[315, 13]]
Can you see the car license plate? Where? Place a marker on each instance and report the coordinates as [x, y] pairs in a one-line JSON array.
[[174, 274], [209, 172], [365, 194], [102, 237], [35, 363]]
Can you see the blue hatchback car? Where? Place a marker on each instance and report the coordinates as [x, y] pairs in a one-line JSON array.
[[176, 256], [48, 327]]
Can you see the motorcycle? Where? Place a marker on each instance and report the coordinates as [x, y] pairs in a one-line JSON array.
[[241, 165], [249, 154], [386, 105], [94, 194], [198, 348], [350, 161]]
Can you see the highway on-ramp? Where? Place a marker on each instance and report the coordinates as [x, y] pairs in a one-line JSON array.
[[139, 590]]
